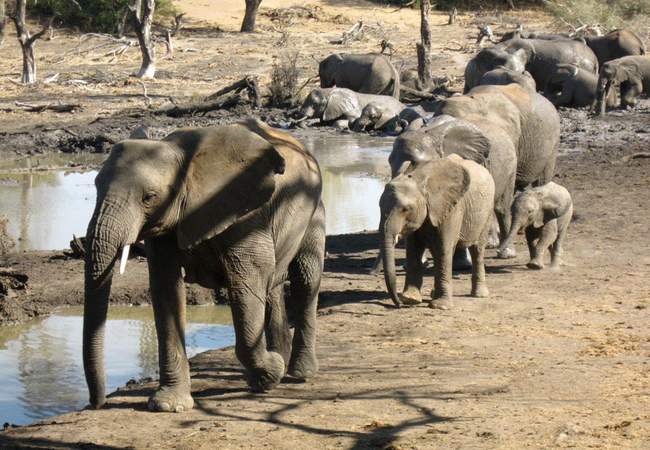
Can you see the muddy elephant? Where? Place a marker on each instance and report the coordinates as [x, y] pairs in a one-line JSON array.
[[540, 57], [575, 87], [342, 105], [544, 213], [533, 125], [230, 206], [371, 73], [441, 204], [502, 76], [475, 138], [631, 72], [520, 33], [379, 116], [615, 44]]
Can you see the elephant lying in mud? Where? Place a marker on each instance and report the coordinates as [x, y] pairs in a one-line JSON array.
[[440, 204], [631, 72], [575, 87], [237, 206], [538, 56], [502, 76], [371, 73], [544, 213], [342, 106], [391, 118]]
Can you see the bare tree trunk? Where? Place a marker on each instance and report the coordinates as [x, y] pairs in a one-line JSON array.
[[3, 21], [27, 41], [424, 48], [178, 23], [248, 25], [143, 31]]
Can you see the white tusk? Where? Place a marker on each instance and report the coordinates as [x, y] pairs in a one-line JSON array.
[[397, 238], [125, 257]]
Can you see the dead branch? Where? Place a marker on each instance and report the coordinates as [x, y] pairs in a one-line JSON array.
[[51, 78], [178, 23], [353, 33], [146, 97], [170, 46], [419, 94], [452, 16], [485, 32], [628, 158], [56, 107], [249, 82]]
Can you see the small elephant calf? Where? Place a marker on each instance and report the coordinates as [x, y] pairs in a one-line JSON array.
[[544, 214]]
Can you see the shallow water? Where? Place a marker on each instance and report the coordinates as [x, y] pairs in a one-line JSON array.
[[46, 208], [41, 367]]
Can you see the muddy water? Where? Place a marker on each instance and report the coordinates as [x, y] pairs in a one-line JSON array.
[[41, 367], [46, 208]]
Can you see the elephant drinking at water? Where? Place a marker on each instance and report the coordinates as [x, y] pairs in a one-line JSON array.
[[236, 206]]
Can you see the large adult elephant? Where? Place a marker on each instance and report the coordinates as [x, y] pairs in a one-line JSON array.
[[533, 125], [540, 57], [631, 72], [615, 44], [236, 206], [370, 73]]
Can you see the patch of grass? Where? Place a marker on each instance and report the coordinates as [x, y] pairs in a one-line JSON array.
[[609, 14]]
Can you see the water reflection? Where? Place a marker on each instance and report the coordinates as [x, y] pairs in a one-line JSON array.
[[41, 367], [46, 208]]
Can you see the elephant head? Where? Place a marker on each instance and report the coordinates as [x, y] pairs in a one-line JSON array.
[[373, 114], [535, 207], [488, 59], [443, 136], [190, 186], [329, 104], [328, 69], [564, 73], [427, 192], [613, 73]]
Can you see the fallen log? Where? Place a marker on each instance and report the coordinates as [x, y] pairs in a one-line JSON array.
[[56, 107], [419, 94], [628, 158]]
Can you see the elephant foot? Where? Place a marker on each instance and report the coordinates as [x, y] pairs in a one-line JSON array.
[[411, 296], [481, 291], [535, 265], [507, 253], [441, 303], [304, 365], [262, 380], [493, 241], [171, 399]]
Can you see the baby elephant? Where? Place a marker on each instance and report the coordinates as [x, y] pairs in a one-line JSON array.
[[576, 87], [439, 205], [544, 213]]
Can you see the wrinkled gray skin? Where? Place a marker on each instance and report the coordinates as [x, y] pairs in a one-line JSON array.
[[236, 206], [575, 87], [371, 73], [523, 34], [379, 116], [544, 214], [631, 72], [615, 44], [440, 205], [475, 138], [538, 56], [342, 105], [533, 125], [489, 59], [502, 76]]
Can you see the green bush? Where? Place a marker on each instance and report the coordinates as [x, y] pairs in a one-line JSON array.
[[93, 15], [609, 14]]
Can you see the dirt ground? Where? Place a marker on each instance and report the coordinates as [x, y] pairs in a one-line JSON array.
[[550, 359]]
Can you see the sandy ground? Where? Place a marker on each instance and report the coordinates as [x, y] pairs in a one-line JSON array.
[[549, 360]]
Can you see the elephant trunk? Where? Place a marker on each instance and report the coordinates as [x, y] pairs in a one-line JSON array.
[[603, 95], [104, 239], [388, 235], [515, 227]]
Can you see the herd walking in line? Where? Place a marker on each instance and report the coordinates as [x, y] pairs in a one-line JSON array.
[[240, 205]]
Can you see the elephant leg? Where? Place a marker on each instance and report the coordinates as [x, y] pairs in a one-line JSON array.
[[504, 219], [305, 273], [493, 237], [565, 98], [532, 237], [479, 288], [557, 249], [547, 237], [442, 294], [415, 246], [277, 330], [629, 90], [548, 173], [168, 297]]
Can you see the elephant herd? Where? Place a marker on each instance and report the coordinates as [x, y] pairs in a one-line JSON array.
[[240, 205]]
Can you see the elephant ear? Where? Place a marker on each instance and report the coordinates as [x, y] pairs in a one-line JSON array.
[[230, 172], [553, 204], [446, 183], [465, 139], [339, 102]]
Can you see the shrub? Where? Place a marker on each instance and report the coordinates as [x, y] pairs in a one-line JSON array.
[[609, 14], [284, 79], [93, 15]]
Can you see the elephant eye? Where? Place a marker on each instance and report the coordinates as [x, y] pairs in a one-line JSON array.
[[149, 198]]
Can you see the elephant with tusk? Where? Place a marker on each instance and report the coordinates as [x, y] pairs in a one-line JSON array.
[[237, 206]]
